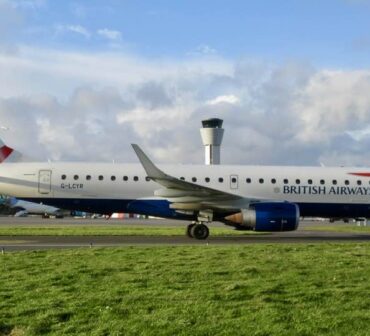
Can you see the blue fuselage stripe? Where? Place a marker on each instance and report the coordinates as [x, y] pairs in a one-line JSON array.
[[161, 208]]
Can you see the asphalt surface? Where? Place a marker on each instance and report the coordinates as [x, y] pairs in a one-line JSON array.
[[16, 243], [31, 221]]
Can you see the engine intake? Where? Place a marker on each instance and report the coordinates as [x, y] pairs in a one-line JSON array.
[[271, 216]]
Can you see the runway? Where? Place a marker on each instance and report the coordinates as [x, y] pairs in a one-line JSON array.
[[18, 243]]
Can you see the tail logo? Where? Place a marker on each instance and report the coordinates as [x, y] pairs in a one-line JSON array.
[[5, 151], [362, 174]]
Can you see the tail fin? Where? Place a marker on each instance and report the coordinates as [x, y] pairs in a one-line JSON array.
[[8, 154]]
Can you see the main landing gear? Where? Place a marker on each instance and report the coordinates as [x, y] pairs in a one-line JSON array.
[[198, 231]]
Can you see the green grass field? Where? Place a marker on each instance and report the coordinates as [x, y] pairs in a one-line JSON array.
[[280, 289], [109, 230]]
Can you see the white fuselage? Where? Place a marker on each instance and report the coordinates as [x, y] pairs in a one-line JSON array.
[[345, 190]]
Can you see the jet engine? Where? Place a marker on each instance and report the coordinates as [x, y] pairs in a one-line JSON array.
[[269, 216]]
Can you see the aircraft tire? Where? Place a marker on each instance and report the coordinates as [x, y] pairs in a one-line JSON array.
[[189, 229], [200, 231]]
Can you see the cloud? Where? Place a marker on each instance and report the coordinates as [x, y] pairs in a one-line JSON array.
[[335, 102], [29, 72], [113, 35], [77, 29], [206, 50], [203, 49], [360, 134], [227, 99], [57, 105]]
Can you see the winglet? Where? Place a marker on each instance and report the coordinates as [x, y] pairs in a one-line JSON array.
[[152, 171], [174, 184]]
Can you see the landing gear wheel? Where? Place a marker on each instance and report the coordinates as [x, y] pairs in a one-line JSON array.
[[200, 231], [189, 229]]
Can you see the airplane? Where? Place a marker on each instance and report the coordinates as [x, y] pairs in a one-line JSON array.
[[23, 208], [260, 198]]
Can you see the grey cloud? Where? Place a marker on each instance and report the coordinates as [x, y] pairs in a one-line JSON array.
[[283, 114], [20, 115], [153, 95]]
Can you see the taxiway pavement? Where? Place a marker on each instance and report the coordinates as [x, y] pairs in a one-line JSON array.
[[14, 243]]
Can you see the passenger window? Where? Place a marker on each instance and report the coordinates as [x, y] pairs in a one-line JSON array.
[[359, 182], [64, 177], [233, 180], [248, 180], [101, 178], [113, 178], [286, 181], [273, 181], [322, 181], [346, 182], [182, 178], [261, 180], [194, 179], [88, 177], [147, 179], [220, 179], [334, 182], [125, 178], [136, 178], [297, 181], [309, 181], [75, 177], [207, 179]]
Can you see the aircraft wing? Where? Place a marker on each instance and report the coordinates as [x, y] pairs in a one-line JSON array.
[[186, 195]]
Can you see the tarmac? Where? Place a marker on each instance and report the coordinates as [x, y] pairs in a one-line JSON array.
[[19, 243]]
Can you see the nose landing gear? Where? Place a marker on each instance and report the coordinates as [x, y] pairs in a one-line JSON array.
[[198, 231]]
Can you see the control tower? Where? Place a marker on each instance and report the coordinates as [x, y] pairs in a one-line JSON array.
[[212, 133]]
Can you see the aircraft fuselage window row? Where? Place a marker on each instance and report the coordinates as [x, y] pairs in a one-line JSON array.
[[101, 178], [220, 180], [309, 181]]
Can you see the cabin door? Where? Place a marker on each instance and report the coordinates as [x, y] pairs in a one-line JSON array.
[[45, 182]]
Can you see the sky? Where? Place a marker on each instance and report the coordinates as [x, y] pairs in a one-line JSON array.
[[82, 80]]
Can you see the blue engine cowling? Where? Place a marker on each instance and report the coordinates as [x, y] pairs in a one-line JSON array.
[[269, 216], [276, 216]]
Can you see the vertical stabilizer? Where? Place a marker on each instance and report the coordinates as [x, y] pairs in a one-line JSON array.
[[8, 154]]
